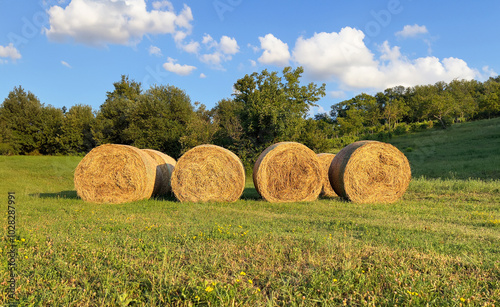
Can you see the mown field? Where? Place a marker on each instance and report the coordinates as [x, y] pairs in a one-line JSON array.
[[439, 245]]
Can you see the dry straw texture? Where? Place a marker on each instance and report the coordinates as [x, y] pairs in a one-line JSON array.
[[208, 173], [370, 172], [164, 168], [288, 172], [115, 174], [326, 160]]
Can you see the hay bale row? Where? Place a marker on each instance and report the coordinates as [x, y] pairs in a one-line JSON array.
[[113, 173], [363, 172], [370, 172], [208, 173]]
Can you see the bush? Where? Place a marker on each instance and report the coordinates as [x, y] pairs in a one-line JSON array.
[[6, 149], [402, 128]]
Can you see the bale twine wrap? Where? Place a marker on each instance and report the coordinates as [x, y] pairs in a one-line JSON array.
[[326, 160], [115, 174], [164, 168], [370, 172], [208, 173], [288, 172]]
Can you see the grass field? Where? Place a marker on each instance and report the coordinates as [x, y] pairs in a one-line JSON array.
[[439, 245]]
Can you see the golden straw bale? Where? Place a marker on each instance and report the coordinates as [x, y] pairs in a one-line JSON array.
[[288, 172], [164, 168], [325, 160], [115, 174], [370, 172], [208, 173]]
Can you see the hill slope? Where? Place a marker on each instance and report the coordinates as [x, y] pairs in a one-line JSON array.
[[468, 150]]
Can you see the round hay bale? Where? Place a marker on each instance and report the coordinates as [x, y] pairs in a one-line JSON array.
[[326, 160], [288, 172], [370, 172], [164, 168], [115, 174], [208, 173]]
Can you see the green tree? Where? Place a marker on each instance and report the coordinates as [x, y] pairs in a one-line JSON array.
[[49, 135], [489, 98], [393, 105], [200, 130], [113, 116], [158, 119], [21, 119], [274, 108], [76, 130], [463, 92], [441, 103]]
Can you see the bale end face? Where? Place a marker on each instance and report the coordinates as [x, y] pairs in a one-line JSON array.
[[113, 173], [208, 173], [370, 172], [288, 172]]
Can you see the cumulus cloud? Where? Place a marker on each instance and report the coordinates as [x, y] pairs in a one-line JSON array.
[[343, 57], [125, 22], [10, 52], [203, 76], [412, 31], [221, 51], [191, 47], [275, 51], [153, 50], [64, 63], [182, 70]]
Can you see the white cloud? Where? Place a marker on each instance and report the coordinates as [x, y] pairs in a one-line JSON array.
[[222, 50], [253, 63], [64, 63], [203, 76], [344, 57], [176, 68], [191, 47], [158, 5], [255, 49], [228, 45], [327, 55], [275, 51], [10, 52], [153, 50], [125, 22], [412, 31]]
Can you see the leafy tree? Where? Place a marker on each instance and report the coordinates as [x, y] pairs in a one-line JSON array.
[[462, 92], [21, 118], [113, 116], [441, 103], [489, 94], [49, 135], [274, 108], [76, 130], [314, 136], [226, 116], [393, 105], [200, 129], [158, 119]]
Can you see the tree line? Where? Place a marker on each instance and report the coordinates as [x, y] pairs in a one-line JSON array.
[[266, 108]]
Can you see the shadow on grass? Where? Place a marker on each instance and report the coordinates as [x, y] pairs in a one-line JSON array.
[[63, 194], [250, 194]]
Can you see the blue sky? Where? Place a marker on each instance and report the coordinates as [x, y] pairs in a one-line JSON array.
[[70, 52]]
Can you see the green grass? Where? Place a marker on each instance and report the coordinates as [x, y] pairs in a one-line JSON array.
[[439, 245], [468, 150]]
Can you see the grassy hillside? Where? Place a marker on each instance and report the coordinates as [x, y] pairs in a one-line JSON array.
[[468, 150], [439, 245]]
